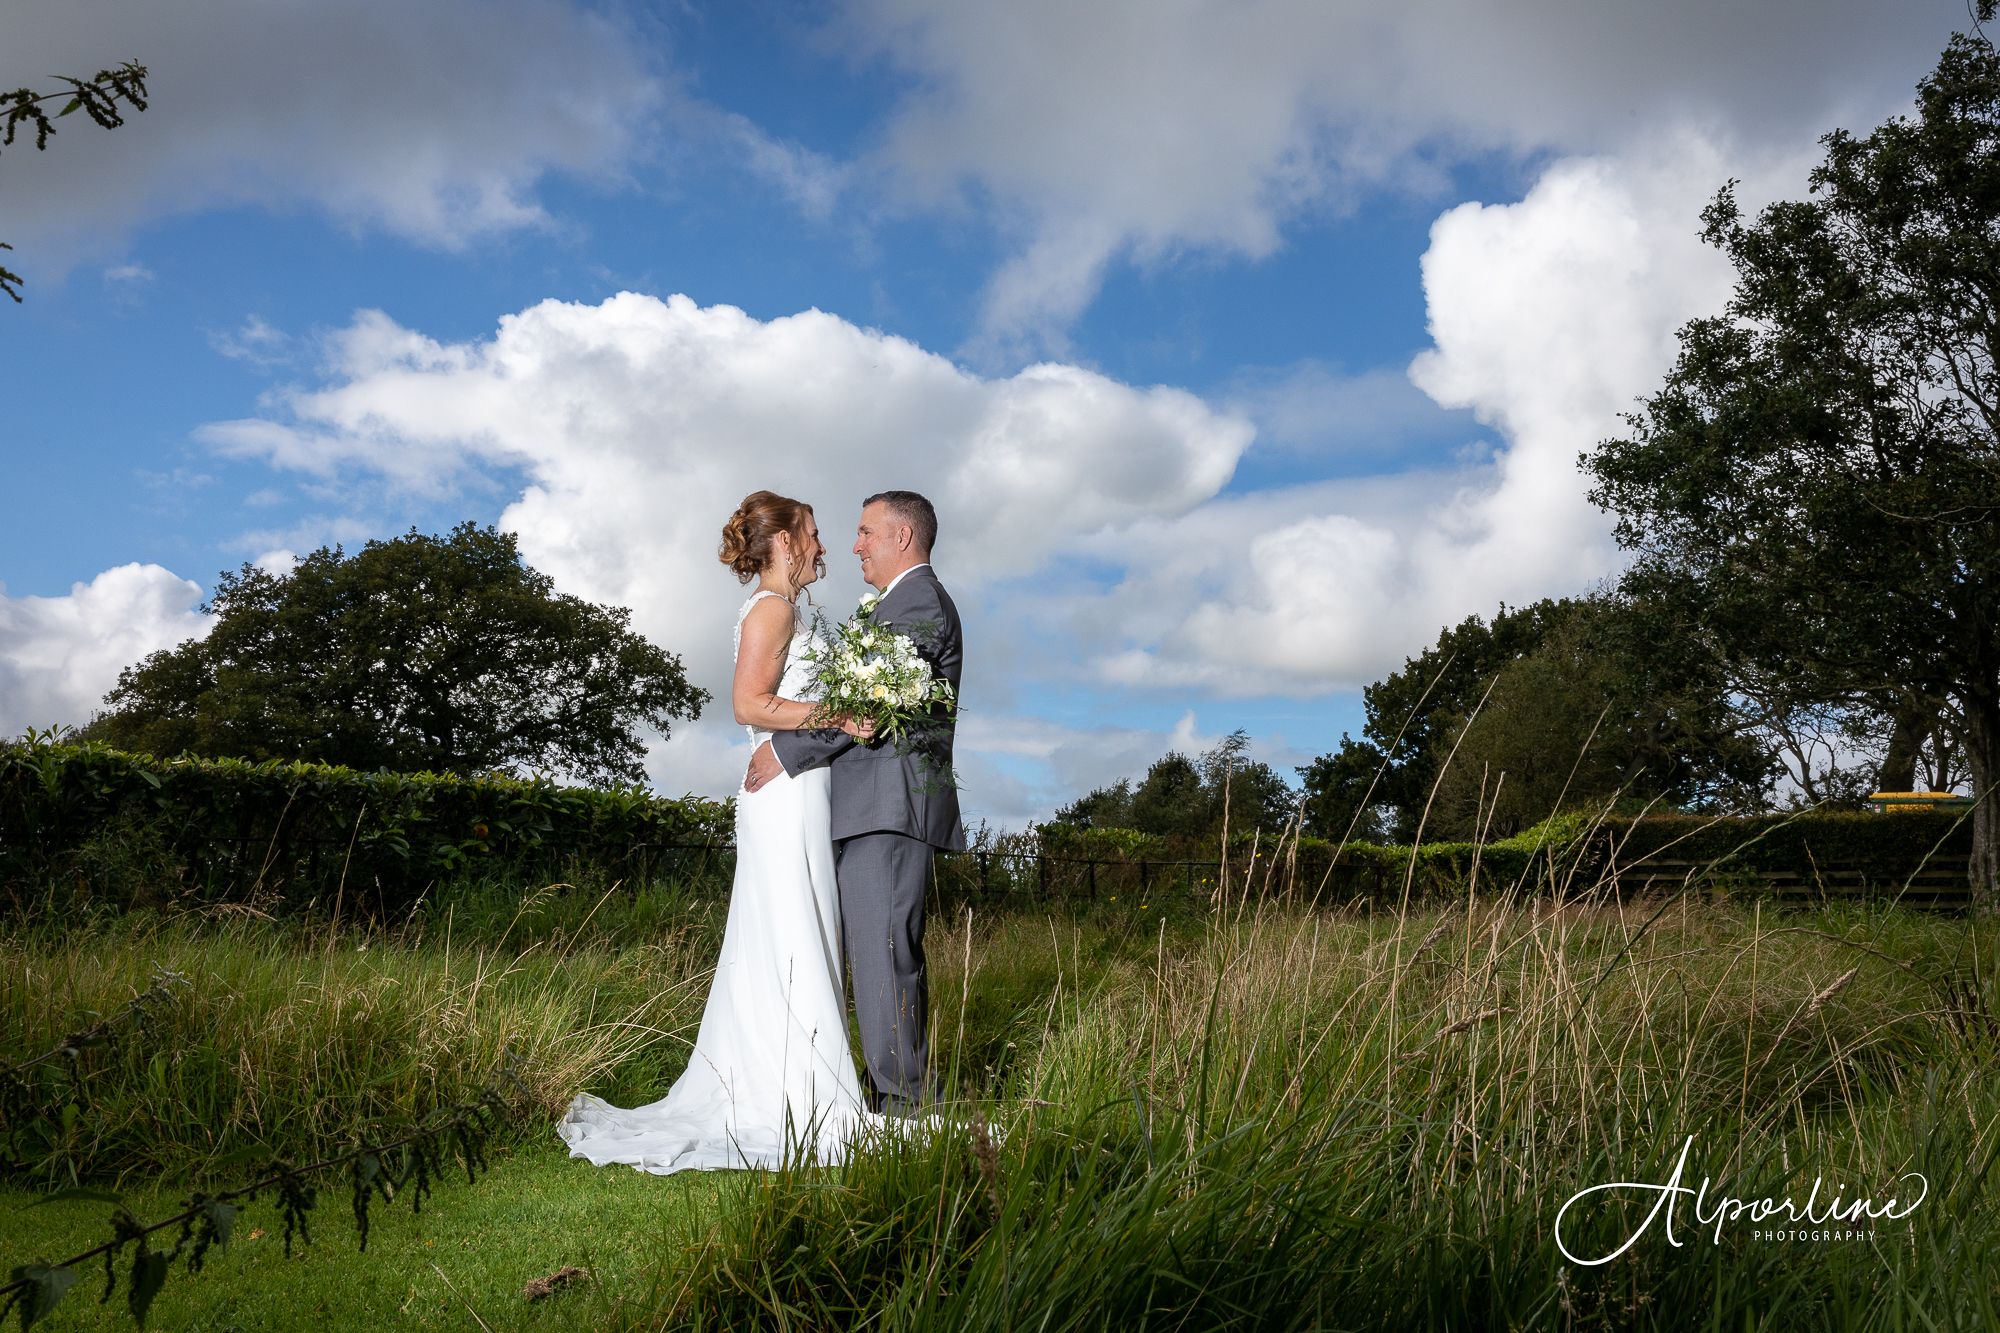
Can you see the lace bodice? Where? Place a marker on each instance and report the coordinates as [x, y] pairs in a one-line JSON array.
[[797, 681]]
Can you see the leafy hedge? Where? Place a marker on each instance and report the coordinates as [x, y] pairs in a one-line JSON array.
[[89, 822], [117, 828], [1885, 849], [1355, 870], [1573, 852]]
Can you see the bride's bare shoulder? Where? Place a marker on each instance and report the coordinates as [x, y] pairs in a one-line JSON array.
[[768, 617]]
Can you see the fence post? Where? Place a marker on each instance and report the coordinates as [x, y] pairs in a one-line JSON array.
[[984, 887], [1093, 879], [1042, 875], [1145, 877]]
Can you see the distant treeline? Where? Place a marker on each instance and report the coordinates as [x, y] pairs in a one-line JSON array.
[[1568, 703]]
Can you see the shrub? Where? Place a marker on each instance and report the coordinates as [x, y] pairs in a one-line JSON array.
[[108, 827]]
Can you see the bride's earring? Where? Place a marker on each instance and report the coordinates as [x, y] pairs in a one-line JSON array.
[[783, 542]]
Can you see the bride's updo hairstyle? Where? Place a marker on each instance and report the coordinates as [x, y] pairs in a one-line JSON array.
[[752, 531]]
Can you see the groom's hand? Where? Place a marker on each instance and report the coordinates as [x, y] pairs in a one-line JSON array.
[[764, 766]]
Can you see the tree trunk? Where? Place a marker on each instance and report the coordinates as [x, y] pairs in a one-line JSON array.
[[1982, 753], [1906, 742]]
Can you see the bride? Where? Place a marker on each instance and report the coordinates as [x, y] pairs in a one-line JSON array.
[[771, 1079]]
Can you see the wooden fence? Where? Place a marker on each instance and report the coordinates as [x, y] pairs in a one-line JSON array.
[[1942, 883]]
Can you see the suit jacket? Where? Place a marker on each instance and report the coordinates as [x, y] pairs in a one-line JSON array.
[[885, 788]]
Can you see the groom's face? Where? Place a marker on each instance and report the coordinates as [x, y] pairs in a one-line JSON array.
[[875, 541]]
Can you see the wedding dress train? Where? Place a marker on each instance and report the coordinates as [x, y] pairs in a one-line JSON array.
[[771, 1080]]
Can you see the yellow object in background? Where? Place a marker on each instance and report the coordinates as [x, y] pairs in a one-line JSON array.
[[1892, 801]]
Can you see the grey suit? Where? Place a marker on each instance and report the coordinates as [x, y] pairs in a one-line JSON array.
[[891, 806]]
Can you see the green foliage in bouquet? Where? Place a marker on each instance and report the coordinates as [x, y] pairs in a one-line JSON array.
[[870, 672]]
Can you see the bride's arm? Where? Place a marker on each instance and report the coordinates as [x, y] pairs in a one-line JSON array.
[[760, 665]]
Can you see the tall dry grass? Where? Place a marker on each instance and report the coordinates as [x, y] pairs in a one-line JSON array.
[[1248, 1111], [1264, 1115], [290, 1040]]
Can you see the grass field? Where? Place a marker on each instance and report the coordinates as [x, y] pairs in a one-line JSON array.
[[1173, 1115]]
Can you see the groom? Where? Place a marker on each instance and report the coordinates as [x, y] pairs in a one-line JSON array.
[[891, 805]]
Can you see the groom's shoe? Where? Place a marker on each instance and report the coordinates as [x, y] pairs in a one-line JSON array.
[[897, 1105]]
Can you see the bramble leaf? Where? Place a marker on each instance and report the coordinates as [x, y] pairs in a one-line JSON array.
[[82, 1195], [149, 1274], [45, 1287], [222, 1216]]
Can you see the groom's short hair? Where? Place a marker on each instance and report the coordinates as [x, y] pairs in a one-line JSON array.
[[913, 509]]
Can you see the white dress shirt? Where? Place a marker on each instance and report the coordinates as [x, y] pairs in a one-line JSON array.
[[905, 574]]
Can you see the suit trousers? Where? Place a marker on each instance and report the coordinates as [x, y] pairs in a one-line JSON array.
[[882, 878]]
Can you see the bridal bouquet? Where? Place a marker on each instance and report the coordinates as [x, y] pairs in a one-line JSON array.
[[866, 670]]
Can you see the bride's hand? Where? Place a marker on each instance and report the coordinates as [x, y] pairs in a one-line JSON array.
[[860, 728]]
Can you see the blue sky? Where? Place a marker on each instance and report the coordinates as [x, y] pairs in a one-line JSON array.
[[1243, 346]]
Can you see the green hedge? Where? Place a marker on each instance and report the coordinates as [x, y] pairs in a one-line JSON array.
[[1884, 848], [1544, 854], [118, 828], [1573, 852], [86, 821]]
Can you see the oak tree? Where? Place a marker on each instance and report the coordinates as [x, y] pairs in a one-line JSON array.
[[421, 653], [1819, 475]]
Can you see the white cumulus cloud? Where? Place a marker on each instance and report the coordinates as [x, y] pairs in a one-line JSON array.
[[638, 424], [59, 655], [1549, 318], [1087, 525]]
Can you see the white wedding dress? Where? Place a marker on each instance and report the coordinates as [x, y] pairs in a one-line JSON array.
[[772, 1079]]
